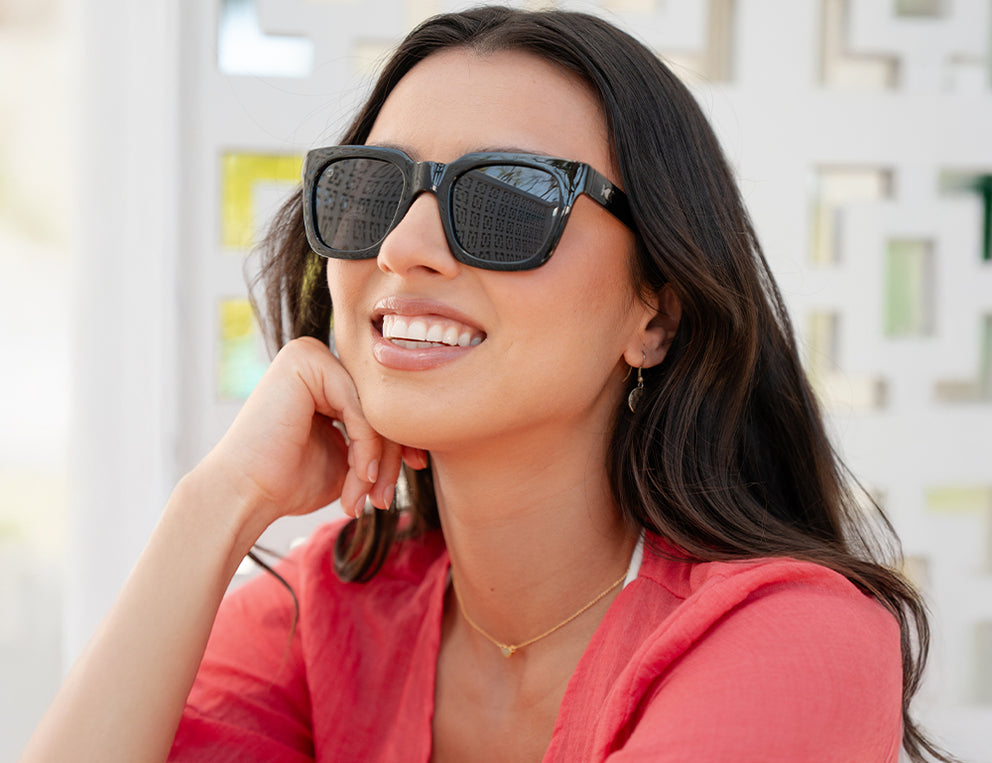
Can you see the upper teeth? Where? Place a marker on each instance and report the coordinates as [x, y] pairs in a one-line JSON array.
[[431, 329]]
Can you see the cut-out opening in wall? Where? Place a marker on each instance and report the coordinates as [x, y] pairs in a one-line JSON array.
[[980, 184], [972, 500], [253, 186], [822, 347], [909, 288], [245, 49], [830, 190], [241, 357], [834, 387], [981, 685], [716, 62], [630, 6], [841, 67], [921, 8], [959, 499], [979, 388], [369, 55], [916, 567]]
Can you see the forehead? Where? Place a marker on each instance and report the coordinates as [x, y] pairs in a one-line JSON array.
[[457, 101]]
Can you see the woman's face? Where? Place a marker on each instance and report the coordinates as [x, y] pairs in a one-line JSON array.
[[546, 347]]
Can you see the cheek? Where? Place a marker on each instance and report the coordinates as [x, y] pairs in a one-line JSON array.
[[344, 281], [335, 280], [592, 283]]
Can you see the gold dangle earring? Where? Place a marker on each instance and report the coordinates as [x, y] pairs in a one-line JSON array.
[[634, 398]]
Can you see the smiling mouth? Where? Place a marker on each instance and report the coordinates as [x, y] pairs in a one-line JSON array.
[[417, 332]]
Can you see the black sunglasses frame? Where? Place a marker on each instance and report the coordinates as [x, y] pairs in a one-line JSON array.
[[573, 178]]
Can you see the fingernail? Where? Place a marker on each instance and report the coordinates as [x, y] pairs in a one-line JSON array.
[[390, 492], [373, 470], [360, 505]]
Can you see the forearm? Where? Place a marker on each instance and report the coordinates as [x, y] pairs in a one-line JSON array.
[[282, 455], [123, 699]]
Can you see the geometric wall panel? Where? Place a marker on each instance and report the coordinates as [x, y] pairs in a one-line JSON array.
[[920, 7], [832, 189], [241, 357], [979, 388], [909, 287], [252, 186], [835, 388], [982, 659], [244, 49], [711, 61], [842, 67], [979, 184], [972, 501], [856, 130]]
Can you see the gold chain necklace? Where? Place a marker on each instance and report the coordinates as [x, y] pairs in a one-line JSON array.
[[509, 649]]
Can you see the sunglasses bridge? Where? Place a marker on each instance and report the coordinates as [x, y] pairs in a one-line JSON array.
[[426, 177]]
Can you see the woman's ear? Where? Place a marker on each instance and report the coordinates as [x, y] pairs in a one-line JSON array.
[[650, 344]]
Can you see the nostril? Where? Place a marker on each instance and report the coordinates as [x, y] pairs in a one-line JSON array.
[[417, 242]]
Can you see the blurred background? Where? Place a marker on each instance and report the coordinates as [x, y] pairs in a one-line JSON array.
[[143, 145]]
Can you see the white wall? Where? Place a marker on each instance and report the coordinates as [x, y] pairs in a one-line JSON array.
[[841, 118]]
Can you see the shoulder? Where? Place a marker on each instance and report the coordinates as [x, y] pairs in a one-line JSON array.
[[778, 597], [782, 658]]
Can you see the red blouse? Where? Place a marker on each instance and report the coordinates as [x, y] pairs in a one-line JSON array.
[[769, 660]]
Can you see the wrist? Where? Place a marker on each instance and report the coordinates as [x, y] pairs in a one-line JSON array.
[[218, 511]]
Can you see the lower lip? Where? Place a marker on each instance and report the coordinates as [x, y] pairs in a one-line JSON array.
[[402, 359]]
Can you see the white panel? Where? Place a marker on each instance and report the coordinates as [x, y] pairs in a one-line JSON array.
[[781, 124]]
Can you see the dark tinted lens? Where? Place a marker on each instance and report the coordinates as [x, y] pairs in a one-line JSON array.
[[356, 201], [504, 213]]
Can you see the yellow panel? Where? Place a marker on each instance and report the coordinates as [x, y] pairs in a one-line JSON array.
[[235, 319], [241, 358], [241, 173], [960, 499]]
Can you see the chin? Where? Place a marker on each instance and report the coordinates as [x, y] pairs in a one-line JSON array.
[[417, 426]]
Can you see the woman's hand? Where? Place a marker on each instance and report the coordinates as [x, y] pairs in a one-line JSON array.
[[284, 454]]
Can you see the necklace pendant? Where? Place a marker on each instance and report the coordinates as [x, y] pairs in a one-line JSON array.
[[507, 650]]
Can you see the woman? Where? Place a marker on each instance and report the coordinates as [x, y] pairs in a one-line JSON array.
[[625, 535]]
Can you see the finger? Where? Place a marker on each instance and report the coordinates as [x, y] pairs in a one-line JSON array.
[[415, 458], [365, 446], [335, 395], [325, 467], [354, 492], [389, 472]]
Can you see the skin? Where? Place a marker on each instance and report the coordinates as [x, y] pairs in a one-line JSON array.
[[548, 377], [516, 427]]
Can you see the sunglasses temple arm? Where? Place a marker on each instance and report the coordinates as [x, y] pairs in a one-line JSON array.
[[611, 198]]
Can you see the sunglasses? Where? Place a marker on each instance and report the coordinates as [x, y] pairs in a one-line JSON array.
[[500, 211]]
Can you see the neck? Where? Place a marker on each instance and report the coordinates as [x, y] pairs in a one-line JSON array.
[[531, 539]]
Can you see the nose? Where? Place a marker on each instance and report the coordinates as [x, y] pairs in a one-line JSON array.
[[417, 244]]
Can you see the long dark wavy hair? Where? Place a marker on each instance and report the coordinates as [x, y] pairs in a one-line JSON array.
[[727, 456]]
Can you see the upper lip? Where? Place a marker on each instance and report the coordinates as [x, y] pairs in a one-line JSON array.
[[412, 306]]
